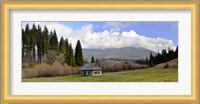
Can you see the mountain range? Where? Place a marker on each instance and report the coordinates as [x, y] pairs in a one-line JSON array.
[[119, 53]]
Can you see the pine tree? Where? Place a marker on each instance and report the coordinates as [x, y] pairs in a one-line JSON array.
[[176, 52], [39, 43], [164, 56], [51, 41], [67, 55], [92, 59], [151, 60], [23, 44], [55, 40], [27, 43], [33, 42], [78, 54], [62, 45], [171, 54], [45, 40], [72, 60], [159, 58]]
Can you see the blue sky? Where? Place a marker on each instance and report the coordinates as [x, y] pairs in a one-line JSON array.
[[166, 30]]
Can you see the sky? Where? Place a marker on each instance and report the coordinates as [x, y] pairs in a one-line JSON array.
[[100, 34]]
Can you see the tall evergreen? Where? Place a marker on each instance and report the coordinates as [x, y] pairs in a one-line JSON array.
[[176, 52], [23, 44], [171, 54], [55, 40], [78, 54], [151, 60], [62, 45], [51, 41], [71, 59], [67, 55], [164, 56], [158, 58], [39, 44], [45, 40], [92, 59], [33, 42], [27, 43]]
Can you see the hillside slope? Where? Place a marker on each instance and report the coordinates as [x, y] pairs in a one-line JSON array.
[[172, 64]]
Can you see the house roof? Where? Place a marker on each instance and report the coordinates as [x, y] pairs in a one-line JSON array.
[[91, 66]]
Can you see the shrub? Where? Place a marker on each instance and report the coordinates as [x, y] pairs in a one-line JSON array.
[[122, 66], [31, 65], [57, 69], [26, 73], [46, 70], [166, 65], [50, 57], [43, 70], [61, 59]]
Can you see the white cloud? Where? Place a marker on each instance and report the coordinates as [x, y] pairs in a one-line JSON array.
[[61, 30], [109, 39]]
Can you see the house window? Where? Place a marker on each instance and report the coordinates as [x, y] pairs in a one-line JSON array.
[[95, 73]]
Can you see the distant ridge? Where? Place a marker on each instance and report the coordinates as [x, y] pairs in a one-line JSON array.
[[120, 53]]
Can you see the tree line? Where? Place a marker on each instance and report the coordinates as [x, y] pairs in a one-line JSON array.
[[38, 43], [161, 57]]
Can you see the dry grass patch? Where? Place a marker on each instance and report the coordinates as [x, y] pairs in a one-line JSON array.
[[46, 70]]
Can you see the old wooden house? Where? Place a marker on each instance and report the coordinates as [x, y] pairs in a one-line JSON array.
[[91, 69]]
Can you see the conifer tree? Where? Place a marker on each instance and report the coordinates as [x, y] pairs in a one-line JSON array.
[[159, 58], [62, 45], [39, 43], [55, 40], [171, 54], [27, 42], [23, 44], [78, 54], [72, 60], [67, 55], [33, 33], [176, 52], [164, 56], [45, 40], [51, 41], [92, 59], [151, 60]]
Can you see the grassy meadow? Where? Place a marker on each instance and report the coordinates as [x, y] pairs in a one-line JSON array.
[[142, 75]]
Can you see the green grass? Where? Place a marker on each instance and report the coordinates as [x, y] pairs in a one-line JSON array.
[[143, 75]]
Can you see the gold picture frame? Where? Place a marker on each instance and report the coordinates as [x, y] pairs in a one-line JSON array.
[[8, 6]]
